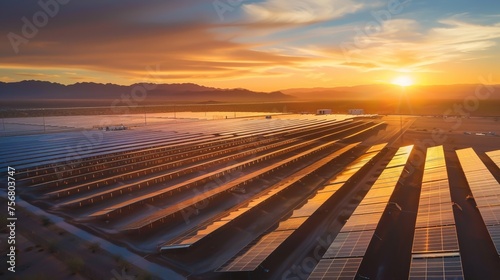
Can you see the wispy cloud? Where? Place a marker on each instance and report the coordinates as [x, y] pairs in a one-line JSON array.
[[37, 75], [300, 11], [403, 43]]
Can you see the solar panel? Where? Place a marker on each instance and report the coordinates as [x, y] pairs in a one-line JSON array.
[[488, 201], [435, 239], [436, 268], [495, 157], [477, 174], [292, 223], [331, 188], [490, 214], [435, 174], [370, 208], [380, 192], [362, 222], [197, 235], [373, 200], [434, 197], [437, 214], [336, 269], [376, 148], [349, 244], [312, 205], [255, 254], [495, 236]]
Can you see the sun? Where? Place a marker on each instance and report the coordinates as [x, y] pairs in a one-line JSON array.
[[403, 81]]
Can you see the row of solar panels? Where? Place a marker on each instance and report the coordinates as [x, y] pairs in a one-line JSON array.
[[84, 193], [252, 256], [187, 164], [435, 252], [343, 258], [145, 159], [116, 208], [435, 249], [48, 152], [193, 236], [92, 173], [159, 215], [484, 188]]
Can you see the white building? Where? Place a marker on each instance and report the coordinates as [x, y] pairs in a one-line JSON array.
[[356, 112], [323, 111]]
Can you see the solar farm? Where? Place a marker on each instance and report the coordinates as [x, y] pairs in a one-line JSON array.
[[287, 197]]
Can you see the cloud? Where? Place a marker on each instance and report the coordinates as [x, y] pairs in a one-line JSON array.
[[184, 49], [300, 11], [403, 43], [37, 75]]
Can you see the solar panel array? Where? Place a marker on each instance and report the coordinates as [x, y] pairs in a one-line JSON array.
[[484, 188], [161, 214], [255, 253], [350, 245], [191, 237], [435, 232]]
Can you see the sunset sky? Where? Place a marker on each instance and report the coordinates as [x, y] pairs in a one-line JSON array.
[[260, 45]]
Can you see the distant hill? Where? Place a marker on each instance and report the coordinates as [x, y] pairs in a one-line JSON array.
[[389, 92], [46, 91]]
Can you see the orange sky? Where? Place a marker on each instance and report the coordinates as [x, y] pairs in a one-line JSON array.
[[260, 45]]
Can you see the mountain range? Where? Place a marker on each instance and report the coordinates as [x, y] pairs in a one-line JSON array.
[[41, 90], [189, 92]]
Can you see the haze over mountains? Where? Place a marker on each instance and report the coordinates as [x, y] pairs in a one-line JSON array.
[[46, 91], [387, 91]]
